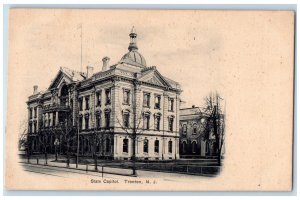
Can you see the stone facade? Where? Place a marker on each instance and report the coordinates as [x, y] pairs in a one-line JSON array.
[[107, 111]]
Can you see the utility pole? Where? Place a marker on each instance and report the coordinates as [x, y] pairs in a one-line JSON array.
[[134, 128]]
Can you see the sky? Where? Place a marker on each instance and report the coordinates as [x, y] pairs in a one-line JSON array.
[[196, 49]]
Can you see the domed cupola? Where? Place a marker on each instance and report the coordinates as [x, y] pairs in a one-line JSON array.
[[133, 57]]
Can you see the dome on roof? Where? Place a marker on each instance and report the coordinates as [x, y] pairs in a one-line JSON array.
[[134, 56]]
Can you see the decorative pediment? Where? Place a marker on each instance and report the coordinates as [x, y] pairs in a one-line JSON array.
[[154, 77], [60, 78]]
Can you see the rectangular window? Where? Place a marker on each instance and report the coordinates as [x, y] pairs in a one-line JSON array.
[[87, 103], [34, 127], [170, 146], [157, 123], [54, 118], [126, 120], [35, 112], [171, 121], [125, 145], [184, 129], [86, 122], [146, 144], [108, 96], [80, 104], [146, 101], [171, 104], [30, 113], [80, 123], [156, 146], [30, 127], [146, 122], [157, 102], [126, 96], [98, 121], [98, 98], [107, 120]]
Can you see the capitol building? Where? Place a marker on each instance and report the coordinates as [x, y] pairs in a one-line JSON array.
[[127, 110]]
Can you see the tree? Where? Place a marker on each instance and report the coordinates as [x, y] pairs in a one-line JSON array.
[[215, 123]]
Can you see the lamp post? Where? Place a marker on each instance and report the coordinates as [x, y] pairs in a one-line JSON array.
[[56, 144]]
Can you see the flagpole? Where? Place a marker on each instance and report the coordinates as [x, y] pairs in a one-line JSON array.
[[81, 48]]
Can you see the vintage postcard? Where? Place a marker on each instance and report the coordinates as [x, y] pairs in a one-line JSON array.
[[149, 100]]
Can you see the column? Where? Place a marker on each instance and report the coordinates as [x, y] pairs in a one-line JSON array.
[[56, 118]]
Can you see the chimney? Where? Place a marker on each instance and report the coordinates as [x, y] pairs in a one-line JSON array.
[[89, 71], [105, 61], [35, 89]]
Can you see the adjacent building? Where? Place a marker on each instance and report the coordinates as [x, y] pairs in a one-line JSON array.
[[126, 109], [196, 135]]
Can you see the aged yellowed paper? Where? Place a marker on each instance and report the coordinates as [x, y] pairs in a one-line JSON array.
[[102, 99]]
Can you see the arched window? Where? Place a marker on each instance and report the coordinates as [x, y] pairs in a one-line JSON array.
[[125, 145], [146, 146], [184, 147], [170, 146], [107, 145], [194, 147], [156, 146]]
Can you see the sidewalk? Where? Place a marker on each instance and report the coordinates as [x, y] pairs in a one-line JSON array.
[[83, 167]]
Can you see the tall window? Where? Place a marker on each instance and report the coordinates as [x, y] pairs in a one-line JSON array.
[[107, 119], [126, 120], [125, 145], [170, 146], [86, 122], [54, 118], [80, 123], [184, 147], [49, 120], [30, 127], [194, 129], [126, 96], [80, 104], [30, 113], [98, 98], [147, 121], [184, 129], [107, 145], [35, 112], [156, 146], [157, 102], [171, 122], [157, 122], [98, 120], [146, 146], [108, 96], [194, 147], [171, 104], [87, 103], [146, 101], [34, 127]]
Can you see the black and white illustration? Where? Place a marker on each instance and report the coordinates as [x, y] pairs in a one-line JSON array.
[[123, 118]]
